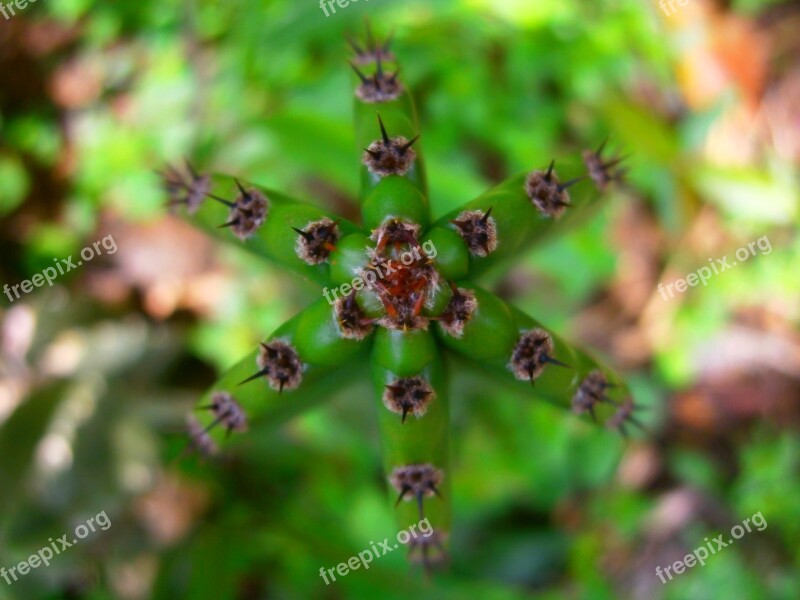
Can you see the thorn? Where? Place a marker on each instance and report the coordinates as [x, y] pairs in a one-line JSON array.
[[419, 505], [434, 489], [261, 373], [388, 43], [192, 172], [215, 422], [384, 135], [308, 237], [361, 75], [615, 162], [550, 170], [393, 76], [406, 408], [227, 203], [570, 183], [485, 217], [404, 148], [230, 223], [591, 412], [600, 148], [373, 153], [378, 67], [282, 382], [356, 48], [553, 361], [402, 495], [242, 190]]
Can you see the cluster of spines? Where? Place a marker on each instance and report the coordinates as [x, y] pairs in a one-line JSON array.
[[280, 365], [602, 171], [389, 155], [226, 412], [380, 86]]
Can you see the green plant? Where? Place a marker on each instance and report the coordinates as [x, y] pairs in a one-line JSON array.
[[398, 290]]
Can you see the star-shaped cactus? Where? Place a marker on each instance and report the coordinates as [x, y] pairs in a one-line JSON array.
[[397, 296]]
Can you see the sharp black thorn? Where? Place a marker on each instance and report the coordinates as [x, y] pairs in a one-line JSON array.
[[485, 217], [550, 170], [378, 67], [570, 183], [361, 75], [402, 495], [601, 147], [356, 48], [373, 153], [214, 423], [553, 361], [404, 148], [227, 203], [241, 189], [419, 505], [614, 162], [231, 223], [308, 237], [406, 409], [384, 135], [261, 373], [388, 43], [192, 172]]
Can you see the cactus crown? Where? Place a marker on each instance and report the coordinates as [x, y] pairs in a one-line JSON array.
[[397, 289]]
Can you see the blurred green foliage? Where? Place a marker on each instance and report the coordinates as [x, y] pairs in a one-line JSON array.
[[261, 89]]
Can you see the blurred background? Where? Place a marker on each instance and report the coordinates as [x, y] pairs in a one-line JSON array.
[[99, 370]]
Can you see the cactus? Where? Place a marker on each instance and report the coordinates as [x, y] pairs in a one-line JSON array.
[[398, 295]]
